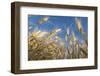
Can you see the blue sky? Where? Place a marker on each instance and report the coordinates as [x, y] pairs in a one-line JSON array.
[[61, 22]]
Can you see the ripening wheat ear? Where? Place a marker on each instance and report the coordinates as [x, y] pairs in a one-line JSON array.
[[79, 25], [74, 36]]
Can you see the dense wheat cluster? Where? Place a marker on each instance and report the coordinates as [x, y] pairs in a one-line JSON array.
[[41, 48]]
